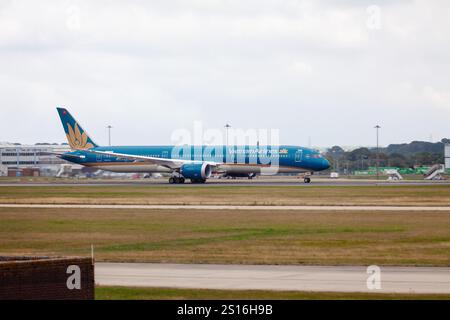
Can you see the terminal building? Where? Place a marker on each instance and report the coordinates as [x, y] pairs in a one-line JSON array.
[[31, 160]]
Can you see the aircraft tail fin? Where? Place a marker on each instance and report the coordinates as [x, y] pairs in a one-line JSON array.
[[76, 136]]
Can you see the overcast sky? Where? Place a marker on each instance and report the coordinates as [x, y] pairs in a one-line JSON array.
[[310, 68]]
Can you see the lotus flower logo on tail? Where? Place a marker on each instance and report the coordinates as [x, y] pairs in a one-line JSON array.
[[78, 140], [76, 136]]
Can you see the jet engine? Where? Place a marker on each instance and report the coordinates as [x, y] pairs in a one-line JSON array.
[[196, 171]]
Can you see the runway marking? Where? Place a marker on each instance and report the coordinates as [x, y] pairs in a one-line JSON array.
[[225, 207], [268, 277]]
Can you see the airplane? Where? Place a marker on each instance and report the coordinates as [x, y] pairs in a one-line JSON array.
[[196, 163]]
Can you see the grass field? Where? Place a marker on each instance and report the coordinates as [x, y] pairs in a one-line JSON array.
[[230, 236], [129, 293], [253, 195]]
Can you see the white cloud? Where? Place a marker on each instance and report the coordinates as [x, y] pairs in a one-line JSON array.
[[309, 68], [436, 98], [302, 67]]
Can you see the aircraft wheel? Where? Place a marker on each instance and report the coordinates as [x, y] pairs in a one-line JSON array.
[[307, 180], [182, 180], [171, 180]]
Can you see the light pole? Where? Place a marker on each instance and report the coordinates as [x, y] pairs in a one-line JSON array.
[[109, 134], [227, 126], [363, 157], [378, 152]]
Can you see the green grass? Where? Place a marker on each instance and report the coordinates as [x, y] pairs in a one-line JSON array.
[[429, 195], [231, 236], [131, 293]]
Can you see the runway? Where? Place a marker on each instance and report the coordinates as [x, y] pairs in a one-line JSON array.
[[227, 207], [268, 277], [230, 183]]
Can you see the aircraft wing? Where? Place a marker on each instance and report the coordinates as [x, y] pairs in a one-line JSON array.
[[173, 164], [68, 155]]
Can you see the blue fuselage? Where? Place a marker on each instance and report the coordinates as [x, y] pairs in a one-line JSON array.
[[232, 159]]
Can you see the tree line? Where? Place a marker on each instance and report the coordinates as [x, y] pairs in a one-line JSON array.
[[407, 155]]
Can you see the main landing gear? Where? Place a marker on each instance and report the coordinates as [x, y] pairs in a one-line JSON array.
[[176, 180], [307, 180], [180, 180]]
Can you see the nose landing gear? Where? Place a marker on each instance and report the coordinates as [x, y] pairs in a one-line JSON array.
[[306, 177]]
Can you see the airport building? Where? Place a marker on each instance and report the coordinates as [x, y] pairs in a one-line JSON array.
[[31, 160]]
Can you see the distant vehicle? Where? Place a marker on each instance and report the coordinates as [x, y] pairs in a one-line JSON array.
[[152, 176], [189, 162], [334, 175], [231, 175], [393, 174], [435, 172]]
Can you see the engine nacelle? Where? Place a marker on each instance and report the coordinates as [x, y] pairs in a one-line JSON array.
[[196, 171]]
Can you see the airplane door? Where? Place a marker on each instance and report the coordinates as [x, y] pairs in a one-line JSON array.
[[298, 156]]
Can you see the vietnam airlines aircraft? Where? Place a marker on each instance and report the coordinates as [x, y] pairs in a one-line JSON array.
[[196, 163]]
